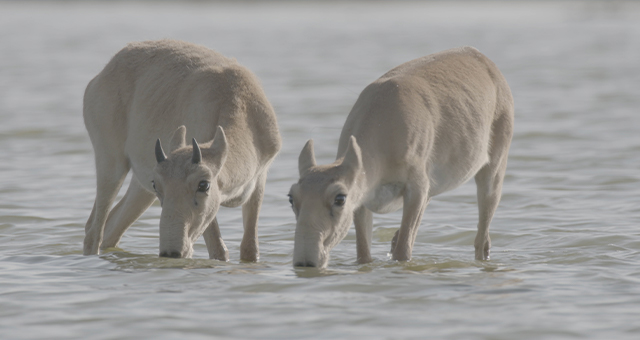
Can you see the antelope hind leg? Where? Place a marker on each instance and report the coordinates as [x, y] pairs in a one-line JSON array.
[[110, 176], [489, 184]]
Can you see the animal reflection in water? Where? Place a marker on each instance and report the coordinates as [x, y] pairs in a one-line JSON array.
[[158, 93], [423, 128]]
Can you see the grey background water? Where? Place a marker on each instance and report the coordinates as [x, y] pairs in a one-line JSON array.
[[566, 237]]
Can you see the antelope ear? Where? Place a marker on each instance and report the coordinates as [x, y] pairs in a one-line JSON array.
[[306, 159], [178, 139], [352, 161], [219, 148]]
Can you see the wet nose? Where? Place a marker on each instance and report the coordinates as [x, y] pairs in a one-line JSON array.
[[172, 254], [305, 264]]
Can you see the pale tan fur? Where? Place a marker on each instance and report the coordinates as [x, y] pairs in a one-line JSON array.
[[176, 91], [425, 127]]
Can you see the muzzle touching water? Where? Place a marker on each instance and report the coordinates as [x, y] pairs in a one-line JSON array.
[[171, 254], [308, 250], [304, 264], [174, 239]]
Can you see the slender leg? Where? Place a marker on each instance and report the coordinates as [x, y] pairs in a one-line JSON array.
[[487, 204], [489, 184], [363, 220], [415, 201], [110, 174], [135, 202], [249, 250], [215, 245]]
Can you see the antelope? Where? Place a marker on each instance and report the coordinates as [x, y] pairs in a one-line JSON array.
[[167, 92], [423, 128]]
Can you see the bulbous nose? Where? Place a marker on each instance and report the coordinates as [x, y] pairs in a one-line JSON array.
[[172, 254], [305, 264]]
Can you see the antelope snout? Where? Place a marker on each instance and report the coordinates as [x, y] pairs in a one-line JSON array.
[[173, 254], [305, 264], [308, 250]]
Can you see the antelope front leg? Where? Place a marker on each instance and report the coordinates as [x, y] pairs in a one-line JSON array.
[[249, 250], [363, 219], [127, 211], [215, 245], [415, 201]]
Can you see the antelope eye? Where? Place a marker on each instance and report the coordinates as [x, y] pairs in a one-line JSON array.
[[340, 200], [203, 186], [290, 200]]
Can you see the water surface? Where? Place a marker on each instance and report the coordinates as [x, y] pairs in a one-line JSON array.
[[566, 237]]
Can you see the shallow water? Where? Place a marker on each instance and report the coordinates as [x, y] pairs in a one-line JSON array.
[[566, 237]]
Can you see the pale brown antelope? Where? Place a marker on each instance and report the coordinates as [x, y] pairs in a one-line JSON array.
[[158, 93], [423, 128]]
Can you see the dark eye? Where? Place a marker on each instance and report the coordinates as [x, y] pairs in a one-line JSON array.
[[290, 199], [153, 183], [203, 186], [340, 200]]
